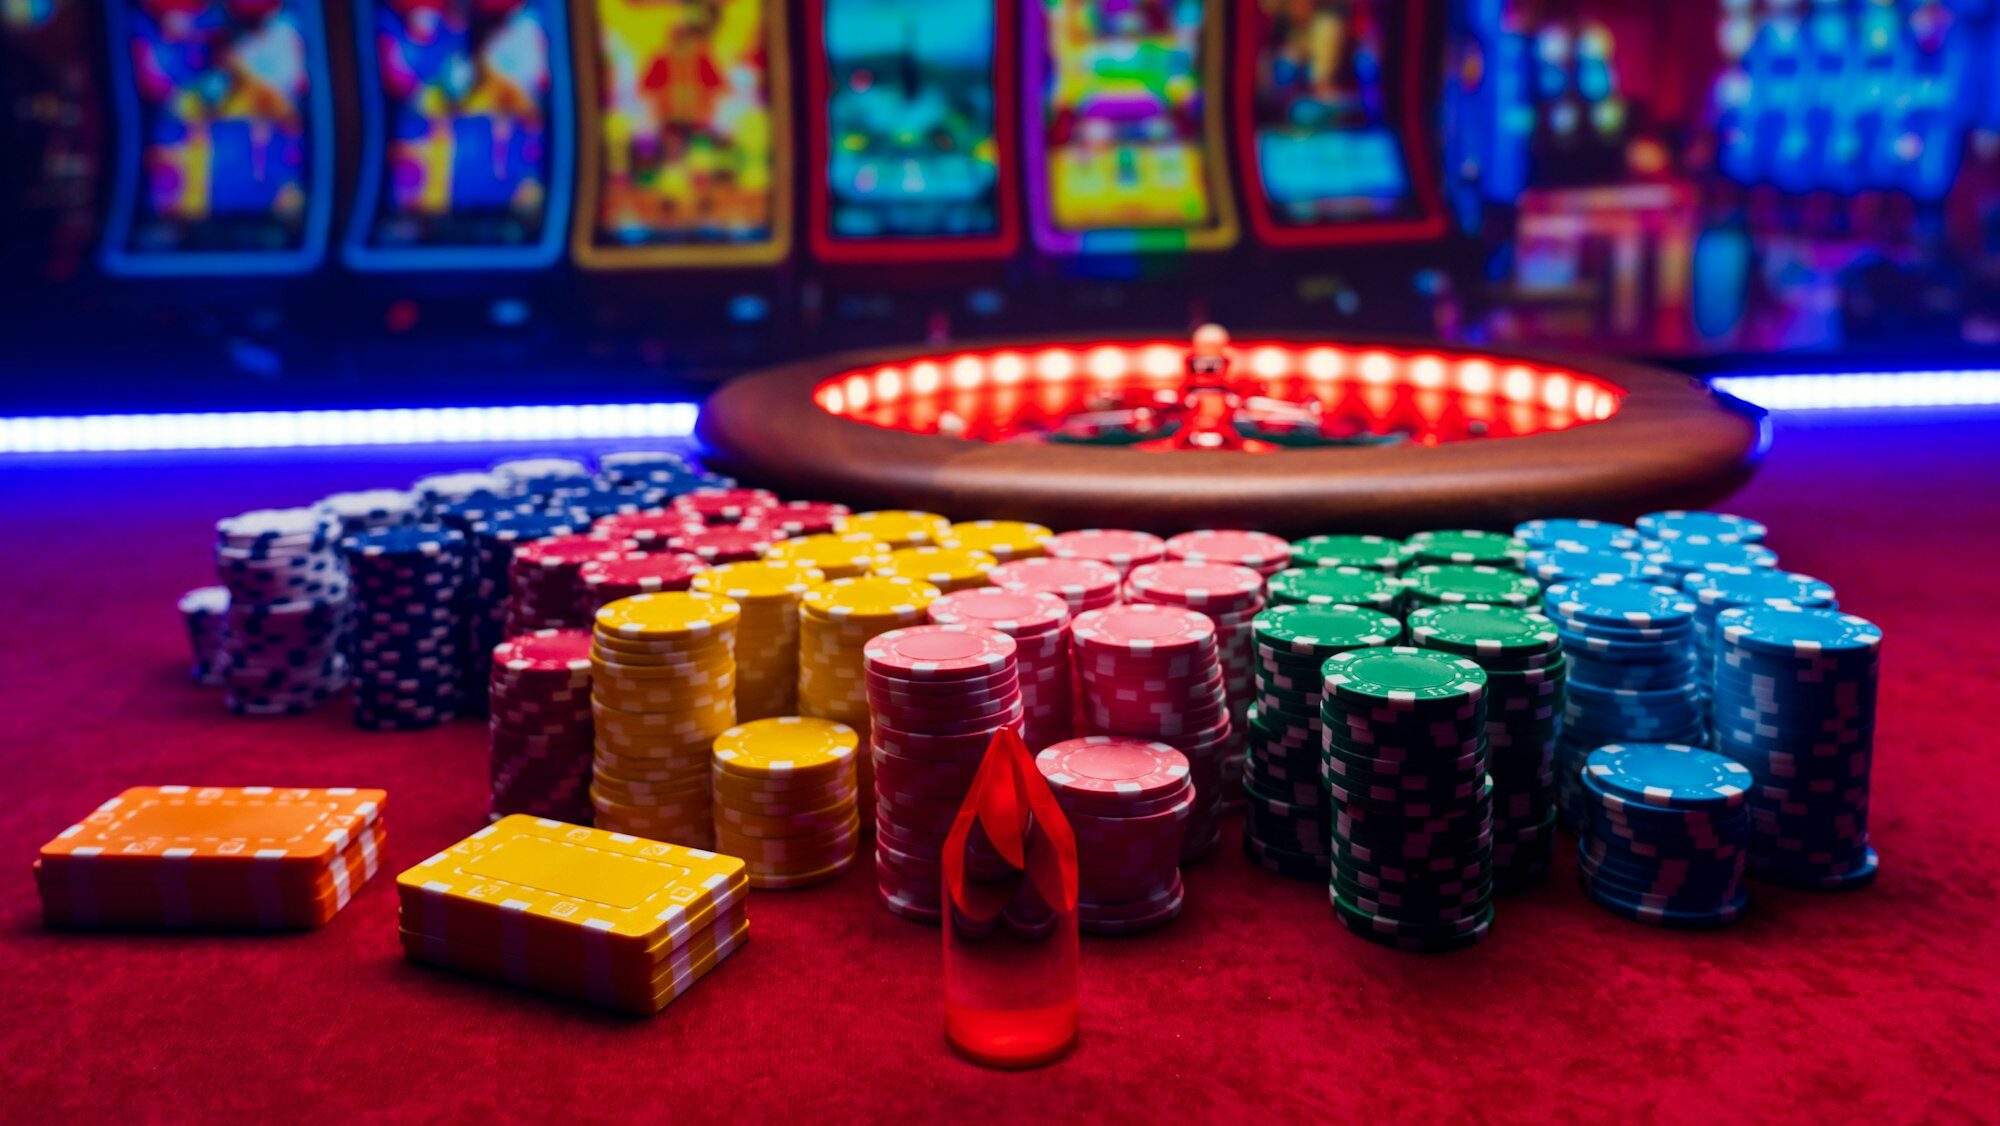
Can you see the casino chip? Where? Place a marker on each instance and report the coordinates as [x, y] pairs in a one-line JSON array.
[[767, 635], [1794, 701], [285, 630], [1466, 547], [1263, 553], [936, 695], [1578, 535], [1570, 563], [545, 587], [1691, 553], [1128, 802], [371, 508], [1114, 547], [440, 489], [205, 612], [797, 518], [1231, 595], [1727, 588], [213, 857], [1335, 584], [1719, 527], [900, 528], [538, 724], [607, 580], [836, 619], [724, 506], [1004, 540], [663, 686], [1450, 584], [785, 799], [1154, 672], [1405, 762], [1526, 677], [1084, 584], [541, 476], [637, 467], [946, 568], [1038, 622], [409, 641], [845, 555], [1665, 834], [1373, 553], [590, 914], [492, 541]]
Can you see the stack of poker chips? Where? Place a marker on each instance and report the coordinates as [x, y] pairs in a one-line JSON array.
[[644, 467], [785, 799], [544, 589], [408, 646], [205, 612], [536, 476], [1413, 807], [1464, 547], [607, 580], [598, 503], [663, 686], [1116, 548], [1666, 835], [836, 620], [938, 694], [1085, 584], [1335, 584], [288, 610], [371, 508], [1526, 673], [1370, 553], [722, 506], [1728, 588], [440, 489], [1039, 624], [1632, 674], [1127, 801], [946, 568], [1688, 554], [767, 637], [484, 600], [1453, 584], [538, 724], [1263, 553], [1717, 527], [837, 555], [1577, 535], [1230, 595], [1288, 824], [1155, 672], [589, 914], [1571, 563], [716, 544], [1004, 540], [213, 856], [1795, 703], [896, 528], [798, 517], [648, 531]]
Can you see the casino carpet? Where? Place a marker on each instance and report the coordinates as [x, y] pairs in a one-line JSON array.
[[1877, 1005]]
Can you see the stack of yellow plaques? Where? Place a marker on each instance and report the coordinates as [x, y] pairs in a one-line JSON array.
[[837, 555], [1004, 540], [900, 527], [599, 916], [663, 686], [767, 637], [946, 568], [836, 619], [213, 856], [785, 799]]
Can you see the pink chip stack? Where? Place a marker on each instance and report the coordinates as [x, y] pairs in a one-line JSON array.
[[723, 506], [607, 580], [1262, 552], [936, 694], [1039, 624], [539, 727], [1120, 549], [544, 589], [1085, 584], [1154, 673], [1230, 595], [1128, 802]]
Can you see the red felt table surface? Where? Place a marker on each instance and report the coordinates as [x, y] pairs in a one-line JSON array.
[[1872, 1005]]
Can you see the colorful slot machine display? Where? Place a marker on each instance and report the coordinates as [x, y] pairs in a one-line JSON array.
[[685, 135], [52, 125], [467, 151], [224, 139], [1124, 125]]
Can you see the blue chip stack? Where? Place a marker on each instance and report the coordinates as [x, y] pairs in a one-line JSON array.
[[440, 489], [1570, 563], [205, 612], [542, 476], [409, 646], [288, 609], [1578, 535], [1716, 527], [491, 552], [1689, 554], [632, 467], [1727, 588], [1795, 702], [1632, 673], [1667, 834]]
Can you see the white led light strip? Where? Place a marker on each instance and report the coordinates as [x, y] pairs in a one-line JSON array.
[[243, 430], [1863, 390]]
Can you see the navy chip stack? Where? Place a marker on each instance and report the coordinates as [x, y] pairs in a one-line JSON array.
[[1666, 835], [288, 610], [1632, 673], [543, 478], [1405, 746], [205, 612], [646, 467], [1127, 801], [1727, 588], [1288, 824], [366, 509], [539, 732], [440, 489], [1795, 702], [408, 646], [1522, 654]]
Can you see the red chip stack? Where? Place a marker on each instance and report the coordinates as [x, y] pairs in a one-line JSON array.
[[936, 694], [723, 506], [1262, 552], [726, 543], [1121, 549], [607, 580], [544, 590], [1085, 584], [649, 531], [1154, 672], [1039, 624], [539, 727], [798, 517], [1230, 595], [1128, 802]]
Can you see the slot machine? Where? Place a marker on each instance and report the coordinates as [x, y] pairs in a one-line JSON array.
[[52, 126]]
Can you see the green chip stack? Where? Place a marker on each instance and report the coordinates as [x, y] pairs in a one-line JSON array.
[[1464, 547], [1372, 553], [1455, 584], [1526, 673], [1335, 585], [1288, 822]]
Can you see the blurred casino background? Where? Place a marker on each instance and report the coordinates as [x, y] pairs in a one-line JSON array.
[[234, 204]]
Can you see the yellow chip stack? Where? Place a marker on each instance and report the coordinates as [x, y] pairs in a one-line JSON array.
[[1004, 540], [767, 635], [835, 620], [946, 568], [663, 686], [837, 555], [599, 916], [900, 527], [785, 799]]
